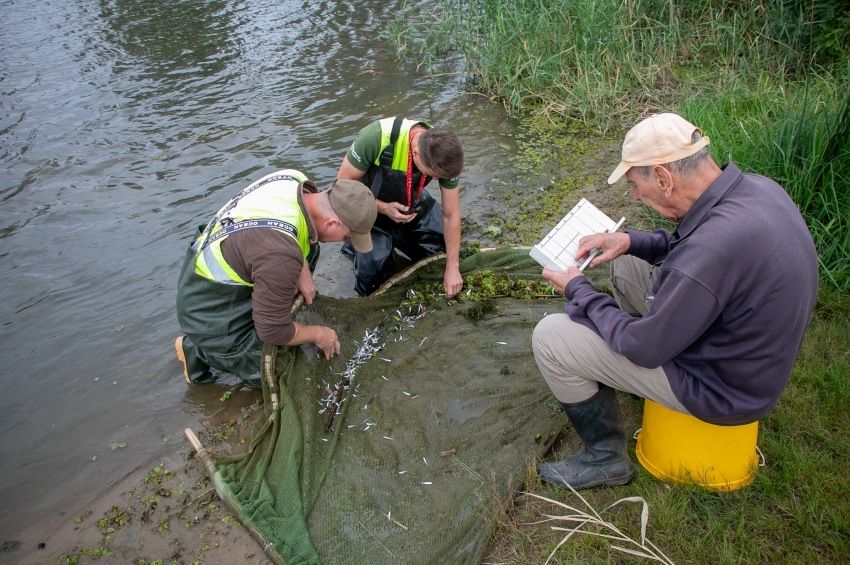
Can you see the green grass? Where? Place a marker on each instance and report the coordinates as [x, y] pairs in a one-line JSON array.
[[769, 81], [604, 59], [796, 510]]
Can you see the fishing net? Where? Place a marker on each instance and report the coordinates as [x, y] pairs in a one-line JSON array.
[[437, 407]]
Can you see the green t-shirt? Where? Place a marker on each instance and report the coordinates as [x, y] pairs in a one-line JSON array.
[[366, 148]]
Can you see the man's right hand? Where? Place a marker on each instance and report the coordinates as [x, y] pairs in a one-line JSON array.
[[327, 340], [610, 246], [396, 211], [322, 336]]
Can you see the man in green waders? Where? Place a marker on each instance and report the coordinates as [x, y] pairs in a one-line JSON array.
[[396, 158], [242, 273]]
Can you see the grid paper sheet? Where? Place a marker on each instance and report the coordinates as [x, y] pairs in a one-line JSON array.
[[558, 249]]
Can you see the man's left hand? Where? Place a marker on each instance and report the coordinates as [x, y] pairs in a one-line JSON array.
[[560, 279], [306, 286], [452, 281]]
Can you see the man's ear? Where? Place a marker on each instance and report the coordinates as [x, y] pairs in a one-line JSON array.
[[332, 223], [664, 179]]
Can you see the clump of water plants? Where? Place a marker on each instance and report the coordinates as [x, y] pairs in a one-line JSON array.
[[486, 285], [223, 431], [74, 558], [114, 519], [423, 296], [468, 249], [158, 475]]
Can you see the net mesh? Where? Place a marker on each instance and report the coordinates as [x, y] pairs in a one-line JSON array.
[[437, 409]]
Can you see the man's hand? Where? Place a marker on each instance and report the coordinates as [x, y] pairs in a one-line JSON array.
[[560, 279], [327, 340], [610, 246], [323, 337], [305, 285], [396, 211], [452, 281]]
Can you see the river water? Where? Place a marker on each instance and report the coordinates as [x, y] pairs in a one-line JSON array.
[[124, 124]]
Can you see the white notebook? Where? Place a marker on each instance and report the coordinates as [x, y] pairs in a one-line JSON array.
[[558, 249]]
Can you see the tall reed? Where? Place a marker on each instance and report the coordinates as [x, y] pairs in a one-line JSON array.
[[601, 59], [770, 80]]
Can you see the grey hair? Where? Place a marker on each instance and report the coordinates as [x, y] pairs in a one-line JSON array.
[[684, 166]]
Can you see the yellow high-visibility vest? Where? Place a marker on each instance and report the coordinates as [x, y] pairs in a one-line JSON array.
[[271, 203]]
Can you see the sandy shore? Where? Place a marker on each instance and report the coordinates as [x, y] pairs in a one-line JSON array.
[[165, 511]]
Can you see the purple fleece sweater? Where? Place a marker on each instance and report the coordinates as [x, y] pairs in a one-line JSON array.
[[736, 286]]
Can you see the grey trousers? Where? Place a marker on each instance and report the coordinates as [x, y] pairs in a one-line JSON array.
[[573, 359]]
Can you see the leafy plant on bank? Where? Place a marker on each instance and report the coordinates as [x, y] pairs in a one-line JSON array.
[[800, 139], [603, 60]]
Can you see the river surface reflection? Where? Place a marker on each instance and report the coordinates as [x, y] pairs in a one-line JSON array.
[[124, 124]]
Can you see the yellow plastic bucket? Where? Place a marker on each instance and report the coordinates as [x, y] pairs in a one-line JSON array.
[[679, 448]]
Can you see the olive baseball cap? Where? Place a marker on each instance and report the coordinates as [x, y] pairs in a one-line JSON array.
[[354, 204], [657, 140]]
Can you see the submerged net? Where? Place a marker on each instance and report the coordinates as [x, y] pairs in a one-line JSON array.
[[438, 407]]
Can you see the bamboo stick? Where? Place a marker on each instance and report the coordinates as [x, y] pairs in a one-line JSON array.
[[407, 272], [233, 505], [202, 452]]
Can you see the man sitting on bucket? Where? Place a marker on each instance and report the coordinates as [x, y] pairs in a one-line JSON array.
[[242, 273], [710, 317]]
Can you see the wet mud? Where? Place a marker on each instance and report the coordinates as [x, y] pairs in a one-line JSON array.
[[165, 511]]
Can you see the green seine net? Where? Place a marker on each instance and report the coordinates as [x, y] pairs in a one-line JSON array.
[[400, 449]]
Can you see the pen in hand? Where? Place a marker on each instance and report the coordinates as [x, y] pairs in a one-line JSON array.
[[595, 251]]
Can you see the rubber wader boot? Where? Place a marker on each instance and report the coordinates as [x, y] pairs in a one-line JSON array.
[[603, 459], [181, 356]]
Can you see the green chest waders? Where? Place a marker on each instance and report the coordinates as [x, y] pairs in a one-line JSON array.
[[216, 319]]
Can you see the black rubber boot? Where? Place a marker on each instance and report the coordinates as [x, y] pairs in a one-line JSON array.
[[603, 459]]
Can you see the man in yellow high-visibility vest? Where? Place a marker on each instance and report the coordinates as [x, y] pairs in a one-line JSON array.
[[397, 158], [244, 269]]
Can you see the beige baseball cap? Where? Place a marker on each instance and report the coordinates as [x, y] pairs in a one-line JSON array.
[[657, 140], [354, 204]]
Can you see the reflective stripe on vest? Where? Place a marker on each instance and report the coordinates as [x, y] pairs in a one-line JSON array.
[[402, 145], [270, 203]]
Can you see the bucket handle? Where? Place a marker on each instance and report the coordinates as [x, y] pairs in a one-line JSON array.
[[762, 458]]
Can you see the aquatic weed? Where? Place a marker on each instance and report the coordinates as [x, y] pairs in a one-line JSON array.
[[158, 475], [113, 520]]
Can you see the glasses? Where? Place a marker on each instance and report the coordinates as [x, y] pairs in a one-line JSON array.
[[648, 296]]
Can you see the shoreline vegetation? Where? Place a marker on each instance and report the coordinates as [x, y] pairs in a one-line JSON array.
[[770, 83]]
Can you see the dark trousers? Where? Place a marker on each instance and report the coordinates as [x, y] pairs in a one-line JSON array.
[[218, 327], [417, 239]]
